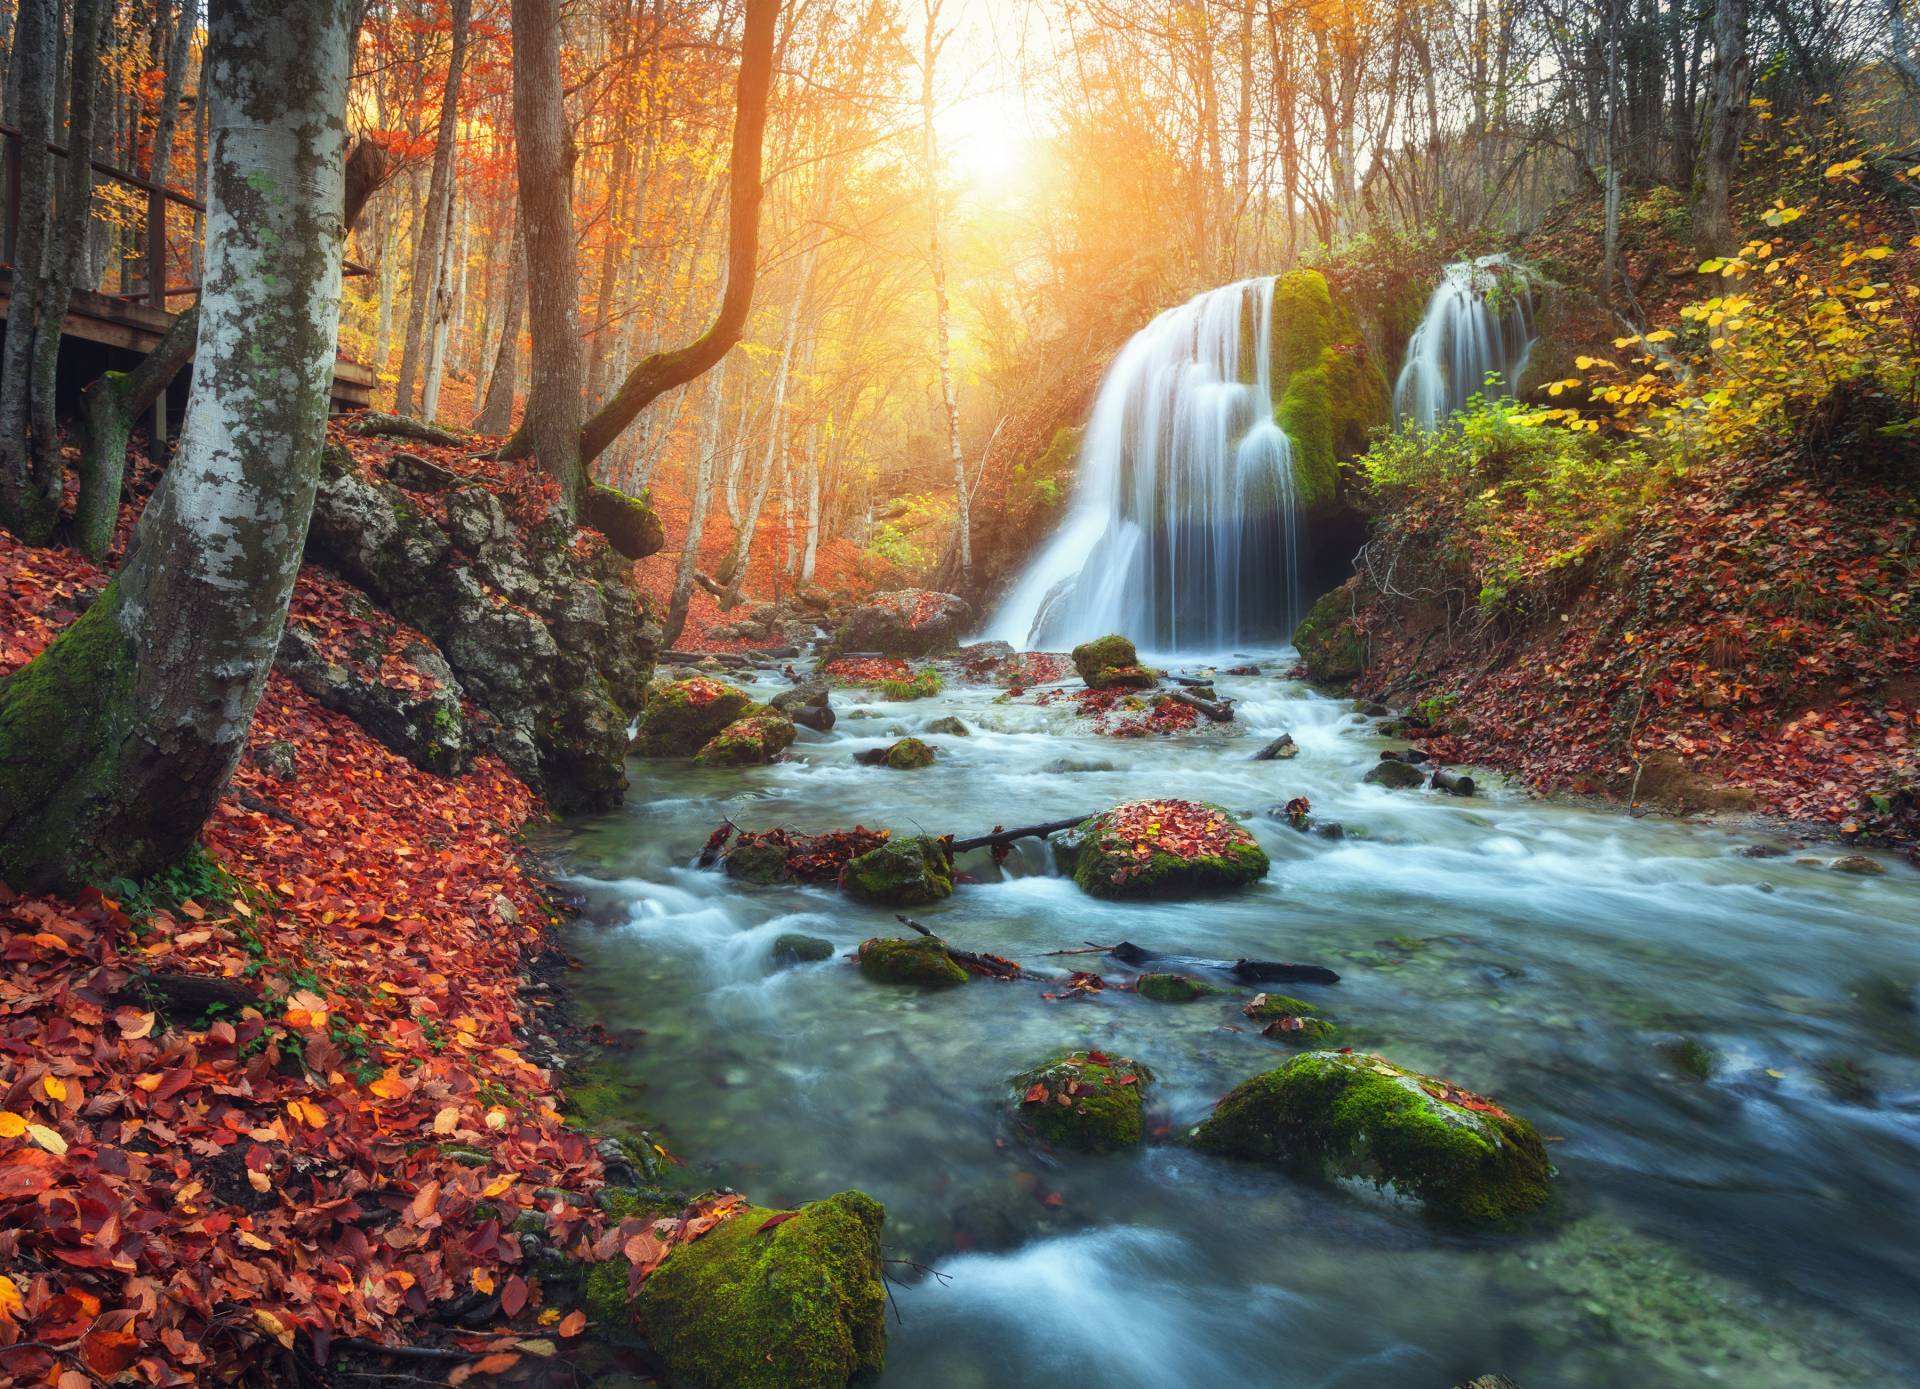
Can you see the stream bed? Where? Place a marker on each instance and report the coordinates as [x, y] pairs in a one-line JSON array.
[[1758, 1227]]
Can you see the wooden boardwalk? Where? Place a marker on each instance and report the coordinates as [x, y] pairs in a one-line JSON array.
[[129, 324]]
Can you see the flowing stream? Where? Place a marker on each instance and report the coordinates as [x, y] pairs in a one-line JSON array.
[[1755, 1228]]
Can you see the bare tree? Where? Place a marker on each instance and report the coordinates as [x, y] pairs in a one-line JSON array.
[[430, 248]]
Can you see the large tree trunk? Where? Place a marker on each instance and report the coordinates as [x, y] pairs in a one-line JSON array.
[[29, 497], [1713, 229], [430, 247], [659, 372], [496, 412], [546, 219], [117, 740]]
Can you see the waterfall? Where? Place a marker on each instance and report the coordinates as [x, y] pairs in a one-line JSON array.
[[1479, 323], [1181, 532]]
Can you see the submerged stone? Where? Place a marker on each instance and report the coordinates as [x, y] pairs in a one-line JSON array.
[[1162, 849], [1362, 1117], [1859, 864], [1085, 1100], [909, 872], [921, 960], [682, 715], [950, 726], [1172, 988], [799, 1305], [794, 948]]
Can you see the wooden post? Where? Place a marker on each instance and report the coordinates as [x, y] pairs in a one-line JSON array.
[[157, 297]]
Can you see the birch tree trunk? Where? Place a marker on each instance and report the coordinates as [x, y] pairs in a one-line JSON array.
[[117, 740], [705, 469], [930, 154]]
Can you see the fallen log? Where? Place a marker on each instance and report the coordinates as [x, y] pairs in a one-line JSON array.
[[994, 966], [1453, 783], [189, 998], [1219, 710], [1247, 971], [987, 841], [371, 422]]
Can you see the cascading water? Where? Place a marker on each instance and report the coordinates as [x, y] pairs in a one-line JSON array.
[[1182, 531], [1472, 340]]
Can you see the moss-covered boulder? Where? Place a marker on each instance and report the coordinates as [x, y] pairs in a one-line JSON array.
[[1330, 646], [681, 716], [749, 742], [758, 861], [909, 872], [1165, 849], [1342, 1116], [921, 960], [1172, 988], [1395, 775], [1290, 1020], [1085, 1099], [793, 948], [796, 1305], [909, 754], [1092, 659], [906, 622]]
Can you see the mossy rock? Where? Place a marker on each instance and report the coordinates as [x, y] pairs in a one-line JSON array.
[[793, 948], [909, 755], [1216, 855], [1085, 1100], [756, 862], [1124, 678], [748, 742], [1329, 392], [1395, 775], [1091, 659], [1265, 1007], [682, 715], [797, 1306], [921, 960], [950, 726], [1172, 988], [1330, 647], [1336, 1116], [909, 872]]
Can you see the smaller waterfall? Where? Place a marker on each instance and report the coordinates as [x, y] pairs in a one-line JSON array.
[[1181, 533], [1479, 324]]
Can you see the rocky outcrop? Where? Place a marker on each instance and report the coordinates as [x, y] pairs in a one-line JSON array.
[[420, 719], [1345, 1116], [682, 715], [540, 626], [906, 622], [1085, 1100], [773, 1300], [808, 704], [1330, 645]]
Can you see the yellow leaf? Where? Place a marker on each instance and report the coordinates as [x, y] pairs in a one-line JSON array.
[[47, 1139], [496, 1118], [1660, 335], [259, 1181], [446, 1120], [11, 1124], [253, 1241], [390, 1087], [55, 1087], [500, 1184], [273, 1326], [11, 1303], [482, 1281]]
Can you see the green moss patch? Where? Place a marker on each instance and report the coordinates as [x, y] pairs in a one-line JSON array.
[[1085, 1099], [752, 741], [681, 716], [921, 960], [1093, 658], [1336, 1115], [908, 872], [1166, 849], [1172, 988], [797, 1304]]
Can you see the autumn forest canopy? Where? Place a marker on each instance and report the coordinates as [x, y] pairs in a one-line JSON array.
[[778, 694]]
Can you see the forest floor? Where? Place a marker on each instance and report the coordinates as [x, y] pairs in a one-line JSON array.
[[332, 1145]]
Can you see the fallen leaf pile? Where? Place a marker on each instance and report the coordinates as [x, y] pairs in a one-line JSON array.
[[869, 670], [1119, 713], [344, 1145], [811, 858]]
